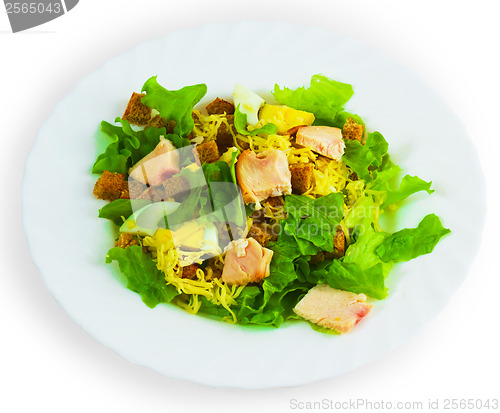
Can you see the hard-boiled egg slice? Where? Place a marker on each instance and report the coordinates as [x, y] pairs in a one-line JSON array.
[[250, 103]]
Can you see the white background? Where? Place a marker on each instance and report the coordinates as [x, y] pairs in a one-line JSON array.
[[49, 362]]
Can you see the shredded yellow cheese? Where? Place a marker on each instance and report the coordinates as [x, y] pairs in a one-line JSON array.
[[208, 126], [167, 260], [328, 176]]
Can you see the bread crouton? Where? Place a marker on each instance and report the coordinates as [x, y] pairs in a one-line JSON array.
[[126, 240], [111, 186], [135, 188], [260, 234], [353, 176], [258, 216], [189, 271], [154, 194], [212, 270], [125, 192], [195, 115], [243, 145], [174, 186], [275, 201], [208, 152], [302, 174], [353, 130], [219, 107], [318, 258], [159, 122], [224, 136], [137, 113], [339, 243]]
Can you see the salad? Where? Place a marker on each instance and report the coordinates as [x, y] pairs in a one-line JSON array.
[[252, 211]]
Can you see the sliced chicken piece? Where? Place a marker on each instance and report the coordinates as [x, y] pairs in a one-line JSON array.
[[264, 175], [158, 165], [331, 308], [325, 140], [246, 261]]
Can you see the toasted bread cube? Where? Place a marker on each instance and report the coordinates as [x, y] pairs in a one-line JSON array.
[[219, 107], [260, 234], [174, 186], [302, 175], [126, 240], [224, 136], [125, 191], [212, 270], [135, 188], [189, 271], [258, 216], [339, 243], [243, 145], [208, 152], [111, 186], [275, 201], [353, 130], [157, 122], [137, 113], [353, 176]]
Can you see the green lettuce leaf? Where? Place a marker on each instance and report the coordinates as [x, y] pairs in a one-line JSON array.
[[116, 157], [309, 228], [410, 243], [362, 252], [222, 189], [189, 208], [362, 213], [384, 178], [232, 166], [360, 271], [377, 145], [142, 276], [385, 175], [126, 147], [251, 309], [146, 140], [341, 119], [113, 159], [313, 222], [351, 277], [282, 274], [240, 123], [409, 185], [361, 157], [278, 308], [283, 268], [176, 105], [324, 97], [121, 209]]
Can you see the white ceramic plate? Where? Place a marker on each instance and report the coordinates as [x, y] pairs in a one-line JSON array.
[[68, 243]]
